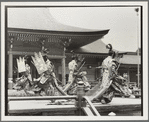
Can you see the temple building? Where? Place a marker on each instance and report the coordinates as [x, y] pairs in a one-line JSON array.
[[29, 30]]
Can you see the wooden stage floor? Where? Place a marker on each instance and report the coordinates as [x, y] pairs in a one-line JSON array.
[[121, 106]]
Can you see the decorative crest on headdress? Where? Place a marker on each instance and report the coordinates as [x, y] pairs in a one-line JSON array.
[[39, 63], [21, 65]]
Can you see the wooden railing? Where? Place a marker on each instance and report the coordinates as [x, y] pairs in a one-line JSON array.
[[40, 98], [94, 110], [79, 106]]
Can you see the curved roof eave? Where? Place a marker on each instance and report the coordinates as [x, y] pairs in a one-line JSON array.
[[58, 32], [39, 19], [78, 39]]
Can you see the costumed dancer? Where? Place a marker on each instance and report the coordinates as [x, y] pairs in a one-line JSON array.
[[85, 80], [47, 80], [72, 68], [108, 72], [28, 70], [111, 64], [75, 65], [44, 69], [25, 81]]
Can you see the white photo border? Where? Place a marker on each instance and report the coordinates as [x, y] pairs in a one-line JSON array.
[[64, 118]]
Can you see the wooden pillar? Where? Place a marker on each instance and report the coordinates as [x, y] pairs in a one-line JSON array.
[[80, 93], [128, 72], [10, 66], [65, 44], [63, 69], [138, 77], [99, 69]]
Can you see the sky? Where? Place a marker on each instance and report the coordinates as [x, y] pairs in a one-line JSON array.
[[123, 22]]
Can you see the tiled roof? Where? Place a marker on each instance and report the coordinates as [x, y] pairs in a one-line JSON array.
[[131, 59], [38, 19], [96, 47]]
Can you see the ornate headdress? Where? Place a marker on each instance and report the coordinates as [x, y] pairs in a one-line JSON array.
[[21, 65], [109, 46], [39, 63]]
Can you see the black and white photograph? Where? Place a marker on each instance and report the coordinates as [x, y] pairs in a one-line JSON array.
[[74, 61]]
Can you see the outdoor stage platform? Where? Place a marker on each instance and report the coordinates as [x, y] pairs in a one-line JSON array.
[[120, 106]]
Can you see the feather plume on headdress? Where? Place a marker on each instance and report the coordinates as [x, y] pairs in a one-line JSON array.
[[21, 65], [39, 63]]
